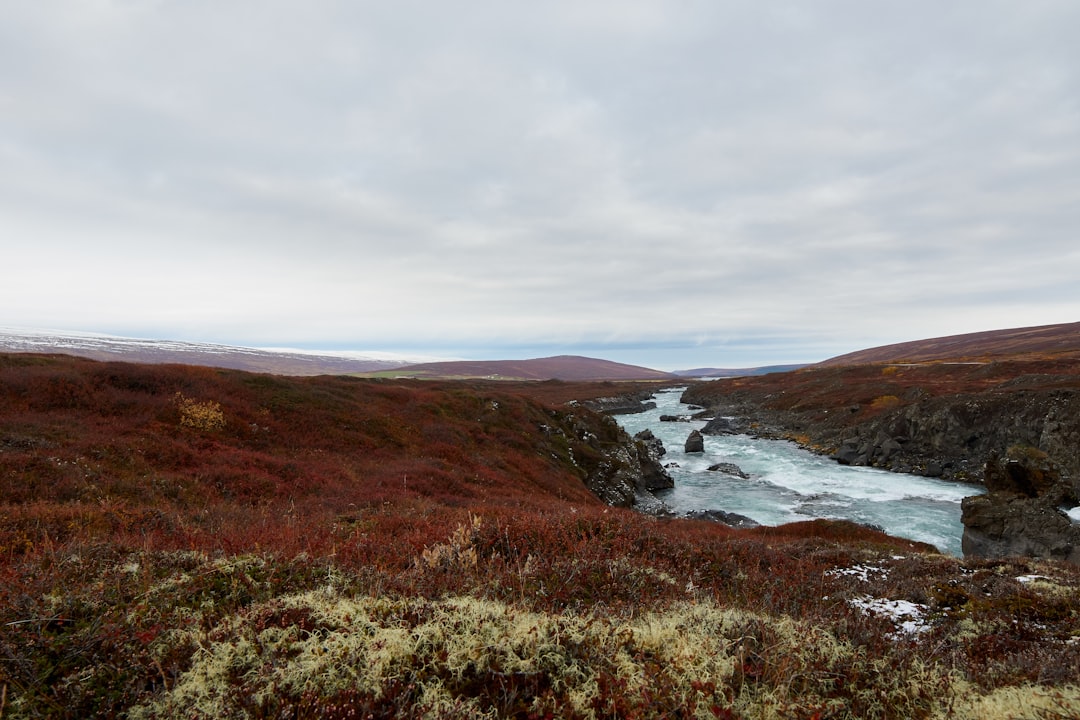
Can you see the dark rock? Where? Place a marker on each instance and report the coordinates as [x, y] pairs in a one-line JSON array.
[[627, 404], [1021, 515], [887, 449], [728, 469], [1025, 471], [654, 444], [616, 468], [695, 443], [653, 475], [674, 418], [731, 519], [848, 453], [723, 426], [1003, 524]]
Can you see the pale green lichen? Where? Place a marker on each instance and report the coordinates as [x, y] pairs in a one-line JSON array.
[[1016, 703], [362, 644], [454, 655]]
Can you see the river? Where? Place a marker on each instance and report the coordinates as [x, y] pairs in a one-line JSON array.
[[788, 483]]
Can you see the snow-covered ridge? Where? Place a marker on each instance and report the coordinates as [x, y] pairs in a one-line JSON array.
[[18, 340], [285, 361]]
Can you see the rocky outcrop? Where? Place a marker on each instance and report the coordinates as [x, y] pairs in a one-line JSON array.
[[1023, 510], [721, 516], [625, 404], [695, 443], [728, 469], [620, 470], [877, 452], [953, 436], [725, 426], [653, 444], [653, 474], [948, 436]]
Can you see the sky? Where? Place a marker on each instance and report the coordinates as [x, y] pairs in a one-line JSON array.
[[674, 184]]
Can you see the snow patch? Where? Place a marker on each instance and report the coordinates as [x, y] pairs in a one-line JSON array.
[[906, 616], [1031, 578], [861, 572]]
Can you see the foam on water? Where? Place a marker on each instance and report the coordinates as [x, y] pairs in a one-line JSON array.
[[788, 484]]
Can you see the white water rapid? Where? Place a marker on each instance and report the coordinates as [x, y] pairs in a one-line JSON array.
[[789, 484]]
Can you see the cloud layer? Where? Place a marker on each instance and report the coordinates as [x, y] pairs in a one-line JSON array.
[[692, 183]]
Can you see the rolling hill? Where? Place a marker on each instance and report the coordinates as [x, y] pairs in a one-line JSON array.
[[736, 372], [560, 367], [1043, 341]]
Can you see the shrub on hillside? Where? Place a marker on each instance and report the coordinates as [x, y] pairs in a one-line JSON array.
[[205, 415], [884, 402]]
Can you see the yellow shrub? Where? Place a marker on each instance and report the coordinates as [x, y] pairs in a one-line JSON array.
[[885, 402], [457, 554], [206, 415]]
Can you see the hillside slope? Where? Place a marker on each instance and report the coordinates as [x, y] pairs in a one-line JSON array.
[[560, 367], [736, 372], [1044, 341], [75, 431]]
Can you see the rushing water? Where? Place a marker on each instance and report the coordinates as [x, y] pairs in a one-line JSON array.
[[788, 484]]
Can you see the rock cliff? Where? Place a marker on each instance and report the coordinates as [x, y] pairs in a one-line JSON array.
[[623, 404], [620, 470], [927, 428], [1023, 510]]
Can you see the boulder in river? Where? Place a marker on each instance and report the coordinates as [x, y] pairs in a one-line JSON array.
[[695, 443], [728, 469], [724, 426]]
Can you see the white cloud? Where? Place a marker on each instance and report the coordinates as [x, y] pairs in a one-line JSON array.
[[487, 174]]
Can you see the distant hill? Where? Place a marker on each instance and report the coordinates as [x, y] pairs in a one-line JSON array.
[[290, 362], [109, 348], [736, 372], [560, 367], [1044, 341]]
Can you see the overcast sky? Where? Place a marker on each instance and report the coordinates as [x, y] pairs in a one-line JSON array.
[[674, 184]]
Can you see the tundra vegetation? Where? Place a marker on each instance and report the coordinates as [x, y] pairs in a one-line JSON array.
[[187, 542]]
